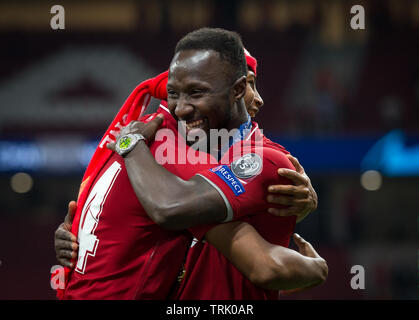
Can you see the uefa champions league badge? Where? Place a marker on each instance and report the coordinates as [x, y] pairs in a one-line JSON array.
[[247, 166]]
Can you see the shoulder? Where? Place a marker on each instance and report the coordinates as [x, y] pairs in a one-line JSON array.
[[258, 165], [275, 153], [274, 145], [267, 155], [277, 156], [269, 150]]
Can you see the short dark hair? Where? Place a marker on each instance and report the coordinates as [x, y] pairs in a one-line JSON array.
[[227, 43]]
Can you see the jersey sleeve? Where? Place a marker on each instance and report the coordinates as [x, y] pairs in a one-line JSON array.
[[244, 182]]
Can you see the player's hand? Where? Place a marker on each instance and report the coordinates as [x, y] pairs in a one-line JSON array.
[[301, 198], [306, 249], [148, 130], [66, 246]]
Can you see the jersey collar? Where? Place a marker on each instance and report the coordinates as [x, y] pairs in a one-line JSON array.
[[245, 132]]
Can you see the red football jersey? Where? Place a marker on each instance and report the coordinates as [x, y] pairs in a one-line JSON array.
[[123, 254], [207, 273]]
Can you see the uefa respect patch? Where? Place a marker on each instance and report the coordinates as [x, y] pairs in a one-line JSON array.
[[229, 178]]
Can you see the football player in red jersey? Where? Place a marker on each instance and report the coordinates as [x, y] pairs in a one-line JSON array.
[[300, 198], [201, 97], [237, 207], [207, 274]]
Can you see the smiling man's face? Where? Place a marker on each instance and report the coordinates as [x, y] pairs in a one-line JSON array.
[[199, 90]]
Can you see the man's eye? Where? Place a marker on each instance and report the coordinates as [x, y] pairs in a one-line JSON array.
[[172, 93]]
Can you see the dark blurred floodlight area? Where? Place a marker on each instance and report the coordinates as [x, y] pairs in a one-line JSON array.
[[345, 102]]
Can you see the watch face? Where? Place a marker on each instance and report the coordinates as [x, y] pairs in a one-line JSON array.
[[124, 143]]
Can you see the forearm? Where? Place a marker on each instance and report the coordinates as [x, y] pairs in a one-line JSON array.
[[289, 270], [264, 264], [170, 201]]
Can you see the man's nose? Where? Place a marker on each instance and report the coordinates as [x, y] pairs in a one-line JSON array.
[[258, 101], [183, 109]]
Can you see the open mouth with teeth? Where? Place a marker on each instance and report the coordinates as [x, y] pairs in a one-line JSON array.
[[196, 124]]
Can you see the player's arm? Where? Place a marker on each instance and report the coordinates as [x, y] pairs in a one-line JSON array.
[[170, 201], [300, 198], [65, 242], [267, 265]]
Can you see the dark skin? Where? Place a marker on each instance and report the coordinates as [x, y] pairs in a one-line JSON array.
[[264, 264], [290, 271], [170, 201], [66, 243], [300, 198], [197, 93], [177, 204], [242, 245]]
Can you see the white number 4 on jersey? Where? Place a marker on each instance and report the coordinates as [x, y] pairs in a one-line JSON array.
[[92, 209]]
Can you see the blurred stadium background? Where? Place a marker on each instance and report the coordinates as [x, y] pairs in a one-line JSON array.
[[345, 102]]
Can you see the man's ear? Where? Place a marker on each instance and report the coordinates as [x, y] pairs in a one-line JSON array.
[[239, 88]]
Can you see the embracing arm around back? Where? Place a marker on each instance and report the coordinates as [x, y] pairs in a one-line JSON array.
[[176, 204], [170, 201], [264, 264], [267, 265]]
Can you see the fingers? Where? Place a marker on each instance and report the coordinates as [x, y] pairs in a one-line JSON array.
[[63, 234], [68, 220], [66, 258], [298, 167], [66, 254], [304, 247], [151, 127], [111, 146], [288, 201], [65, 262], [133, 127], [148, 130], [300, 242], [296, 191], [66, 245], [158, 119], [296, 177], [299, 207]]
